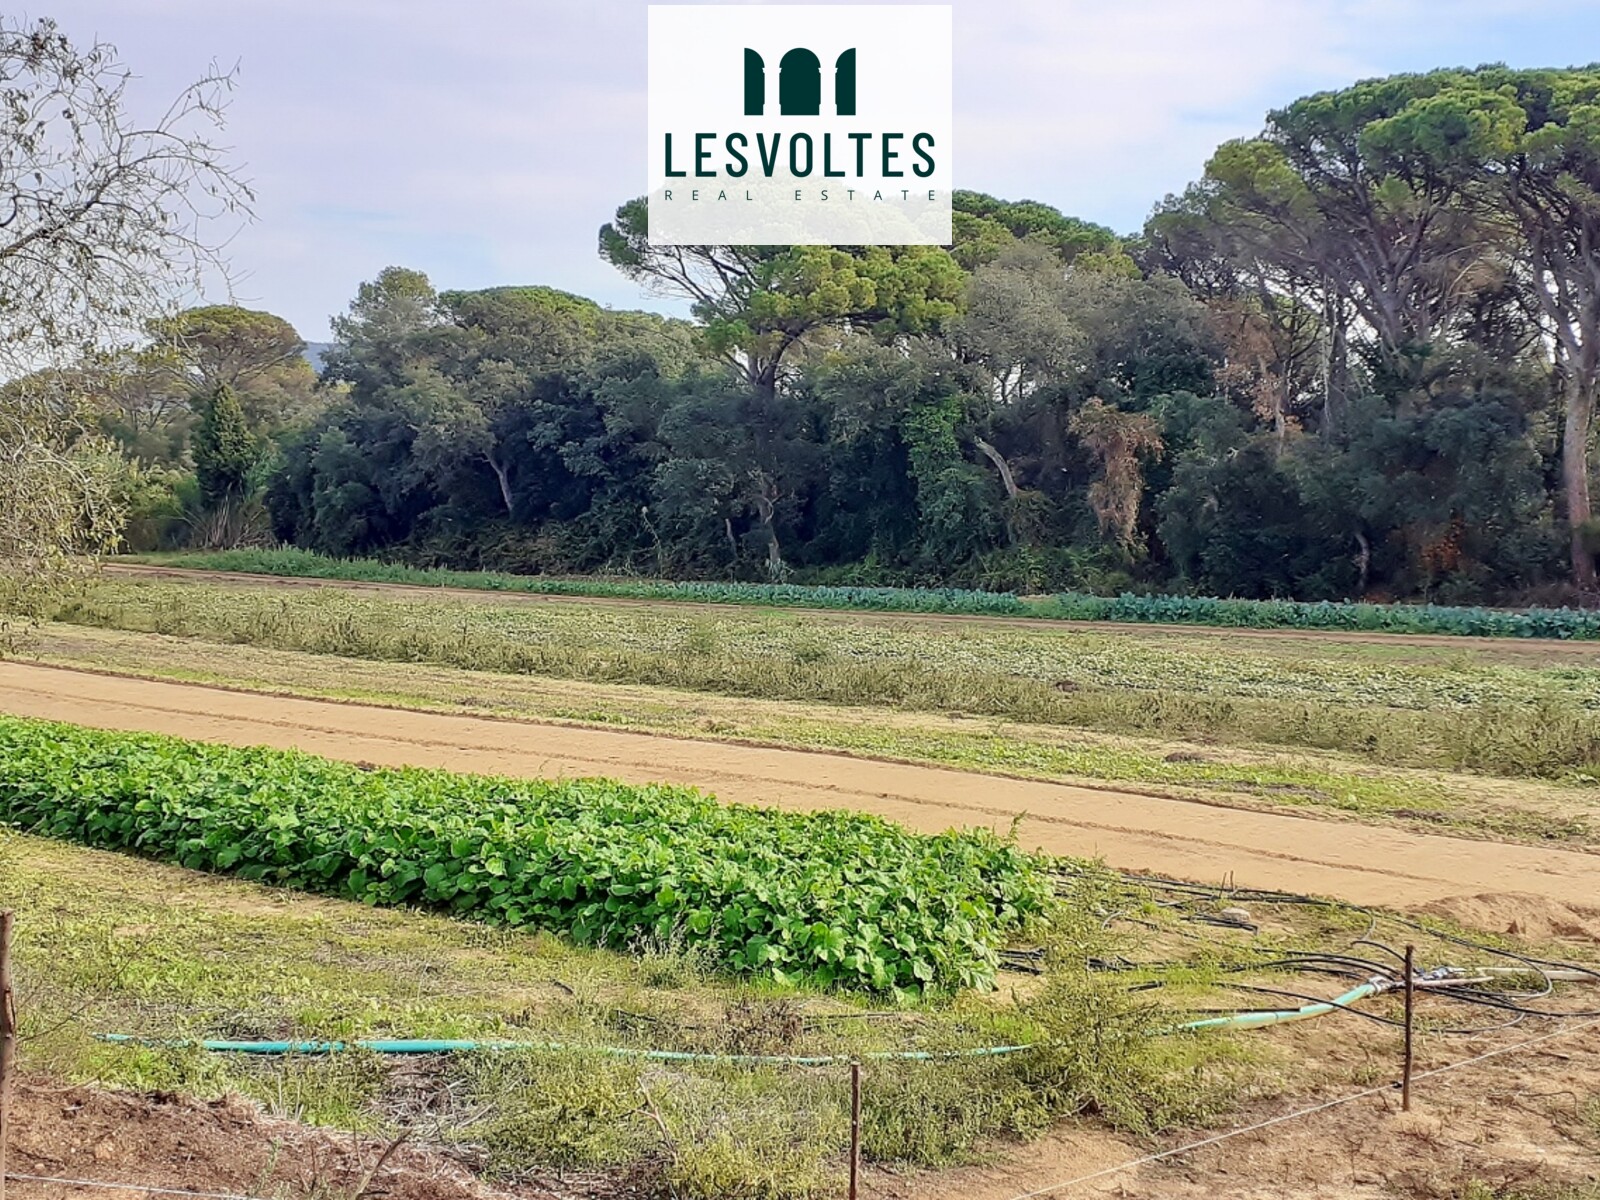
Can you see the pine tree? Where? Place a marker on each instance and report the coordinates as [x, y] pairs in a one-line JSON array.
[[224, 449]]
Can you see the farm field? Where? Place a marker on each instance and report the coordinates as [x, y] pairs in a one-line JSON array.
[[1128, 609], [1451, 778], [124, 944], [1515, 710], [1320, 782], [1083, 703], [1134, 831]]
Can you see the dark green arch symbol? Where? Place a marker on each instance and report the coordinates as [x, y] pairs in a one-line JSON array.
[[844, 84], [755, 84], [800, 83]]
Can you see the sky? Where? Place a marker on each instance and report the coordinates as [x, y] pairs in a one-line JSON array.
[[485, 141]]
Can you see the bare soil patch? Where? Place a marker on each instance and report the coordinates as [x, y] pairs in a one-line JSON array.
[[228, 1146], [1537, 918]]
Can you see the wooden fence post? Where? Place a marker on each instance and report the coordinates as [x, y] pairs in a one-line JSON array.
[[855, 1128], [8, 1042], [1411, 999]]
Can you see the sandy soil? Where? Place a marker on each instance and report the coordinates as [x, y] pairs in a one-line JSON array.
[[164, 1140], [1527, 651], [1520, 1120], [1138, 832]]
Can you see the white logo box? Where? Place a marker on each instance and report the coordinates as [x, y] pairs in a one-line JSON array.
[[879, 176]]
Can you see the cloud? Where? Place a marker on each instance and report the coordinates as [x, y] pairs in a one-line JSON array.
[[485, 141]]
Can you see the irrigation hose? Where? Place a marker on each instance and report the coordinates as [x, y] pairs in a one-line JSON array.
[[1255, 1020], [1378, 979], [1241, 1020], [464, 1046]]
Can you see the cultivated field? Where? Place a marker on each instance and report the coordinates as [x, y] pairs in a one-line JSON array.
[[1270, 847], [683, 983]]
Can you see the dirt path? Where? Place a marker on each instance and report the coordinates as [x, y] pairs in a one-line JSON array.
[[1510, 649], [1172, 837]]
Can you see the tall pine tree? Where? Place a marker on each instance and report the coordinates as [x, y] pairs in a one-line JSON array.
[[224, 449]]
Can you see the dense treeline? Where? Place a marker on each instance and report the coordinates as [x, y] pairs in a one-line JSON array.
[[1359, 357]]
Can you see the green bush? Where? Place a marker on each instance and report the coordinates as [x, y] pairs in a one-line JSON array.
[[831, 897]]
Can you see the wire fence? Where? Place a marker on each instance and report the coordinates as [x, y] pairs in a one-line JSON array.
[[1449, 983], [1050, 1190], [1216, 1139]]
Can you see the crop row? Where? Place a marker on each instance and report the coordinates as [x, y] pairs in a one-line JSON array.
[[1563, 623], [839, 898], [308, 565]]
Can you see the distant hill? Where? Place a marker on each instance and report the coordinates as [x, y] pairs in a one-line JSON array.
[[314, 352]]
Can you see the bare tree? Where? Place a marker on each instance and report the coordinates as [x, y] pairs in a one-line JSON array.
[[107, 222]]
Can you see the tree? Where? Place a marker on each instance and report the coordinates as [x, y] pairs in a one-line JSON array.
[[1335, 208], [757, 302], [104, 218], [376, 339], [225, 451], [915, 409], [1017, 322], [256, 354], [225, 344], [1440, 223], [737, 457], [1232, 522], [1476, 176], [985, 228], [60, 490], [1552, 188], [149, 390], [1271, 312], [105, 223]]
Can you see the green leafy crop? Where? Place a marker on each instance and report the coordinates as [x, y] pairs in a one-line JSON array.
[[834, 898], [1565, 623]]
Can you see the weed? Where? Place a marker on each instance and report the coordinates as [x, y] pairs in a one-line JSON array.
[[122, 944], [561, 1111]]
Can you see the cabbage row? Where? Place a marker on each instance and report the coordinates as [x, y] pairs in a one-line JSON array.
[[835, 898], [1565, 623], [309, 565]]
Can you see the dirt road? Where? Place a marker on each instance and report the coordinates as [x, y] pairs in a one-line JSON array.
[[1172, 837]]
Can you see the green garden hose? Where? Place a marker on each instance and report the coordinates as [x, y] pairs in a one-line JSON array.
[[456, 1046], [1254, 1020], [1248, 1020]]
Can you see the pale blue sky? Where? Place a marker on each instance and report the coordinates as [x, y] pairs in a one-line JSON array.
[[485, 141]]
